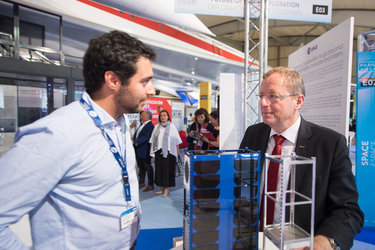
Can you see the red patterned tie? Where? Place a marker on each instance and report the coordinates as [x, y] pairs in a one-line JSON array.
[[273, 172]]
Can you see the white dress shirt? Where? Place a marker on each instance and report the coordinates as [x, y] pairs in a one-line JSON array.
[[140, 128], [287, 147]]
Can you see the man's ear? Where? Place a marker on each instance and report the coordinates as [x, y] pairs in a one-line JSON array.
[[111, 80], [300, 101]]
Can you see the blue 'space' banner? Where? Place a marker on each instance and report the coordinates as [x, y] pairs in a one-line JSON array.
[[365, 134]]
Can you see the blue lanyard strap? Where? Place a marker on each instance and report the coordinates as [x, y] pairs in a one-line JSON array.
[[112, 147]]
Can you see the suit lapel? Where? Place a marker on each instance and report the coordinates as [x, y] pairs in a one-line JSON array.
[[303, 148], [263, 143]]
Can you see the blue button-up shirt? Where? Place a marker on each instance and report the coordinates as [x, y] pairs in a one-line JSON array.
[[60, 170]]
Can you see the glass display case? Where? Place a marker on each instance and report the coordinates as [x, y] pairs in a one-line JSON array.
[[286, 234]]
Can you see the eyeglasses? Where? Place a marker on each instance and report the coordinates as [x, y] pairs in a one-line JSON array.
[[274, 98]]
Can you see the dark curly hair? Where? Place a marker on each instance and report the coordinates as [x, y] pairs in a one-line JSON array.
[[115, 51]]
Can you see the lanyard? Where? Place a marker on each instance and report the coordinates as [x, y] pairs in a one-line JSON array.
[[112, 147]]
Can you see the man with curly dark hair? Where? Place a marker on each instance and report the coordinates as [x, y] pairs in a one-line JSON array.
[[73, 171]]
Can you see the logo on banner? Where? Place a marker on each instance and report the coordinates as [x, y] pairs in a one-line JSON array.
[[366, 66], [320, 9], [367, 82], [311, 49]]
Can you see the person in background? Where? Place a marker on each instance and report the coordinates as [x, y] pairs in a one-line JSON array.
[[74, 170], [338, 217], [200, 127], [160, 108], [164, 148], [213, 143], [133, 128], [354, 124], [142, 150], [181, 154]]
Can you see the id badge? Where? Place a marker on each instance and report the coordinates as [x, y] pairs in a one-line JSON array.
[[128, 217]]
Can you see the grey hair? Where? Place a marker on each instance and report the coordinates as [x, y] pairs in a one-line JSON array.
[[149, 114]]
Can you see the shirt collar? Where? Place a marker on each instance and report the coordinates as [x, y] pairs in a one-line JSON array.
[[107, 119], [144, 123], [291, 133]]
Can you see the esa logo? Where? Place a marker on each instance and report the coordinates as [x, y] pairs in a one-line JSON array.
[[311, 49]]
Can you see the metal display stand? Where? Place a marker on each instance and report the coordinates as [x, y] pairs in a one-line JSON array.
[[287, 234], [221, 199]]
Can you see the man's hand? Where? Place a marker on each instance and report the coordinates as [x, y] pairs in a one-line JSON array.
[[320, 243]]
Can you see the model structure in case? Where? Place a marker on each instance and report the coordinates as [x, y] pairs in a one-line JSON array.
[[221, 198], [287, 234]]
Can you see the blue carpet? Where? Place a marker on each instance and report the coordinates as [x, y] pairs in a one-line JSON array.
[[157, 239], [367, 235]]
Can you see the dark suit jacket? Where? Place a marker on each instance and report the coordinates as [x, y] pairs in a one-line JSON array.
[[141, 144], [337, 214]]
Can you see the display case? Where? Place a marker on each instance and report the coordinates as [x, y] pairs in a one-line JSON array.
[[287, 234], [221, 198]]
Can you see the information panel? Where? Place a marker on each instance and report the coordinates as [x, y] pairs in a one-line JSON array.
[[365, 134], [326, 65]]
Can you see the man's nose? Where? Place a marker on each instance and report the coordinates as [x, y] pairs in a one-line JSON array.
[[150, 89]]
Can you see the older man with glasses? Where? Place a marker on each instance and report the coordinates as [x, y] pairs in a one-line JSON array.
[[338, 217]]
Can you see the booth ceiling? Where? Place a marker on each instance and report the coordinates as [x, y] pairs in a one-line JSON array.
[[284, 36], [231, 30]]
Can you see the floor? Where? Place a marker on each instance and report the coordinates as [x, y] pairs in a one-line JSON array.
[[162, 219], [162, 212]]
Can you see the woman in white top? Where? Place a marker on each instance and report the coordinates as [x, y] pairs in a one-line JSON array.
[[164, 148]]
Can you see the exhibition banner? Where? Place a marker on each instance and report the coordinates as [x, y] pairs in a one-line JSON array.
[[211, 7], [326, 66], [178, 114], [295, 10], [155, 105], [301, 10], [365, 134]]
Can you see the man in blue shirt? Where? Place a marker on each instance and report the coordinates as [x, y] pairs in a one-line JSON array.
[[74, 171]]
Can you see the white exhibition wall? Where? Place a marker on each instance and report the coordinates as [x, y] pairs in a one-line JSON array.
[[231, 111], [326, 65]]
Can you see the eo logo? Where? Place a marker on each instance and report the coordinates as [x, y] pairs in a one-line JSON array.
[[311, 49]]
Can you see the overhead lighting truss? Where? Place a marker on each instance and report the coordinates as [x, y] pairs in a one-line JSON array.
[[256, 29]]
